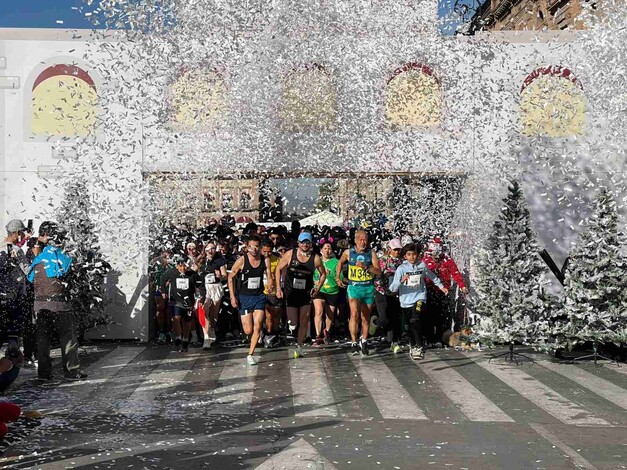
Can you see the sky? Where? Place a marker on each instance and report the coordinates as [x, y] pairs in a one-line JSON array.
[[70, 14]]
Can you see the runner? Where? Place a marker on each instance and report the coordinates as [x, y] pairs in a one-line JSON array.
[[388, 307], [213, 271], [273, 304], [158, 267], [251, 300], [326, 301], [179, 285], [299, 264], [409, 282], [363, 266]]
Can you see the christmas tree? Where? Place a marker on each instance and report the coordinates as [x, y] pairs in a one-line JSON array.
[[87, 278], [511, 299], [595, 301]]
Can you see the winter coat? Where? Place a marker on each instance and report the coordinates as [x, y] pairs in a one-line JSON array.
[[446, 269]]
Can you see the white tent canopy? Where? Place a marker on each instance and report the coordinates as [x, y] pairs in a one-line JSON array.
[[322, 218]]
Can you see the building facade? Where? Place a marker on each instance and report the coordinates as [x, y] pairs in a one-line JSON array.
[[536, 15]]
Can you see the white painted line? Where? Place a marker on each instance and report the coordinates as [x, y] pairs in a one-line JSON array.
[[393, 401], [542, 395], [312, 393], [474, 404], [596, 384], [234, 394], [99, 372], [577, 459], [297, 456], [162, 379]]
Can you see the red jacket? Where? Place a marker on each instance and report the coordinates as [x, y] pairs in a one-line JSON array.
[[445, 268]]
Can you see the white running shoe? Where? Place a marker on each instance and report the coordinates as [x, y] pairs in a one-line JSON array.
[[250, 360], [206, 345], [416, 353]]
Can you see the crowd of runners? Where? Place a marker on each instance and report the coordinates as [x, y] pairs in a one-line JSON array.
[[260, 285]]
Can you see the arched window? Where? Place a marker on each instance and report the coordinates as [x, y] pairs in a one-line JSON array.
[[198, 100], [413, 97], [64, 103], [309, 100], [552, 103]]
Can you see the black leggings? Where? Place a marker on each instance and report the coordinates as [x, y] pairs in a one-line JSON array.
[[389, 310], [415, 316]]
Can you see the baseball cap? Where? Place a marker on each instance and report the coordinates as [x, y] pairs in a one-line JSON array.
[[305, 236], [15, 225], [395, 244]]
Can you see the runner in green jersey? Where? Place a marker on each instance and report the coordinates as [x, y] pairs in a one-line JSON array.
[[325, 303]]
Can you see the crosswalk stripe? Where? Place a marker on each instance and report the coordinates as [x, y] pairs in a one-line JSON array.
[[598, 385], [98, 373], [312, 394], [542, 395], [393, 401], [474, 404], [166, 377], [236, 386]]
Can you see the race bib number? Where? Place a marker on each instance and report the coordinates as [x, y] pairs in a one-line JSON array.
[[413, 280], [182, 284], [299, 284], [254, 283], [210, 278], [358, 274]]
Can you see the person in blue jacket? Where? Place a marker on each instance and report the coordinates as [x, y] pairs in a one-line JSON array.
[[409, 282]]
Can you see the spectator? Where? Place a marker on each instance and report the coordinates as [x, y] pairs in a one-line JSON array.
[[49, 274]]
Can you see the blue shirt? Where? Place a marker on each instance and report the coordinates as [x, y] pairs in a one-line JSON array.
[[56, 263]]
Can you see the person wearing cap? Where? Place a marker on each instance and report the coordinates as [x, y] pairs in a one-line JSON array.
[[13, 270], [49, 274], [363, 266], [442, 306], [298, 266], [179, 285], [388, 306]]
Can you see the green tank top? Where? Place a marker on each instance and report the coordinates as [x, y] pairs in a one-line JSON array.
[[330, 284]]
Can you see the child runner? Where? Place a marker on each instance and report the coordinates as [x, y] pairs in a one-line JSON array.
[[409, 282]]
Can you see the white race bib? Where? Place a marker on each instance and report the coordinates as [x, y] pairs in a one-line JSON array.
[[182, 283], [254, 283], [299, 284], [210, 278], [413, 280]]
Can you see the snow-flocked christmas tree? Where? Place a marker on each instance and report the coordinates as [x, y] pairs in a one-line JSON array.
[[595, 300], [87, 280], [511, 298]]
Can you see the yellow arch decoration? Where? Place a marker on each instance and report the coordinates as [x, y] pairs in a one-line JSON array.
[[413, 98], [309, 100], [199, 100]]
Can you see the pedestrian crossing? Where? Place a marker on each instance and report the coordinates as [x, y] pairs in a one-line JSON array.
[[147, 381]]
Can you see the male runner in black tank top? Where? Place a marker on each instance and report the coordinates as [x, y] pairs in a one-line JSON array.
[[251, 300], [299, 265]]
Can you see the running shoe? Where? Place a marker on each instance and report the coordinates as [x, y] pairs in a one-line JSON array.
[[363, 347], [325, 337], [395, 348], [206, 345], [161, 338], [355, 349], [299, 352], [319, 341], [250, 360], [177, 343], [416, 353], [184, 346]]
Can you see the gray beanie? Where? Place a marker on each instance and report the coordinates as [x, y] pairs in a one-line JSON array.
[[15, 225]]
